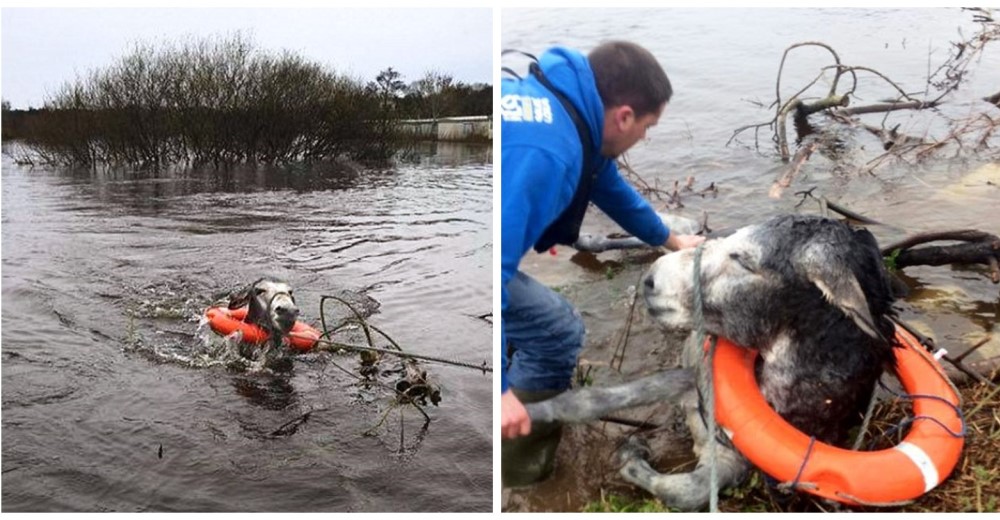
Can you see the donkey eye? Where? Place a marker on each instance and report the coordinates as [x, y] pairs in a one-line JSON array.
[[259, 291]]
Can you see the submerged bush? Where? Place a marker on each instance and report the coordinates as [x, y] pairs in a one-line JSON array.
[[216, 101]]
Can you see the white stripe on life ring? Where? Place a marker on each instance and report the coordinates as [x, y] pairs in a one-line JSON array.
[[922, 461]]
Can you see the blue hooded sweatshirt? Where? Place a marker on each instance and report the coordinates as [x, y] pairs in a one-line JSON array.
[[542, 159]]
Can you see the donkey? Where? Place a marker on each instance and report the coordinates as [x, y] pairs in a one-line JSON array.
[[812, 295], [271, 307]]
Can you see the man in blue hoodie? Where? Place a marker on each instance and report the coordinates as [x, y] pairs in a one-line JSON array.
[[562, 128]]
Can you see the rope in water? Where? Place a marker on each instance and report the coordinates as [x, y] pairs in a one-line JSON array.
[[358, 348], [333, 345]]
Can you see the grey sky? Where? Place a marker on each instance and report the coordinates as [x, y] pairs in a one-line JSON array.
[[43, 48]]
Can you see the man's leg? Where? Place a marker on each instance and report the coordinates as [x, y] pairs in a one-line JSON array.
[[545, 334]]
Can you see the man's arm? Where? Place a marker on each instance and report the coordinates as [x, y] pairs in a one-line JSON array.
[[616, 197], [624, 205]]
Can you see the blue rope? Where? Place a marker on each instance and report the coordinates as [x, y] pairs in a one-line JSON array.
[[805, 460], [912, 397], [910, 420], [796, 483]]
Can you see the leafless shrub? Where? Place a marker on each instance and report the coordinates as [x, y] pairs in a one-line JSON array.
[[213, 101]]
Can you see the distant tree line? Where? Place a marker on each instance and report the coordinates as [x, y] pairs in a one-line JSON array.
[[221, 101], [437, 95]]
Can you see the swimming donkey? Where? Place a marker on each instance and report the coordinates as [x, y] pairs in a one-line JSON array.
[[271, 306]]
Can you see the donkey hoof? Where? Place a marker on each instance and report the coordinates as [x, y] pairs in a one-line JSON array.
[[633, 448]]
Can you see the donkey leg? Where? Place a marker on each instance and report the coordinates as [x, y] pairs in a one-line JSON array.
[[684, 491], [588, 404]]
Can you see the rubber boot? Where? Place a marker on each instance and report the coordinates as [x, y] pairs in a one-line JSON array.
[[530, 459]]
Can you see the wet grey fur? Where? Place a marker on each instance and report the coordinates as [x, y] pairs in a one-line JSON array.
[[592, 403], [813, 297], [676, 224], [598, 244], [271, 307]]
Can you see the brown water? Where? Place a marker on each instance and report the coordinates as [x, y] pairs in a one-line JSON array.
[[107, 404], [722, 64]]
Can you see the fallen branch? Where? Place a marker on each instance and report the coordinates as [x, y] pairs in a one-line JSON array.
[[941, 83], [642, 186], [333, 346], [290, 427], [823, 104], [980, 372], [891, 137], [957, 362], [980, 248], [785, 180], [857, 217]]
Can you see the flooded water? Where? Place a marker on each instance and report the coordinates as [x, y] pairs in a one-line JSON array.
[[105, 405], [723, 64]]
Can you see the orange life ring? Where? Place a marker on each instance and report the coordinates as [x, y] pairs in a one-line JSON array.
[[920, 462], [227, 321]]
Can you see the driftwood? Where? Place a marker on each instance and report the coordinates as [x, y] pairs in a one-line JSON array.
[[958, 370], [888, 107], [986, 371], [978, 248], [832, 206], [806, 109], [793, 169]]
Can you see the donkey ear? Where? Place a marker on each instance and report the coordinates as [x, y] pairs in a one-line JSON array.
[[240, 298], [829, 272]]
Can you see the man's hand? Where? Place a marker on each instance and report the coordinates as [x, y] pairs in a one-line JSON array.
[[514, 420], [678, 242]]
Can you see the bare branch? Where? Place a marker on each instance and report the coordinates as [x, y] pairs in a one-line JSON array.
[[793, 169]]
